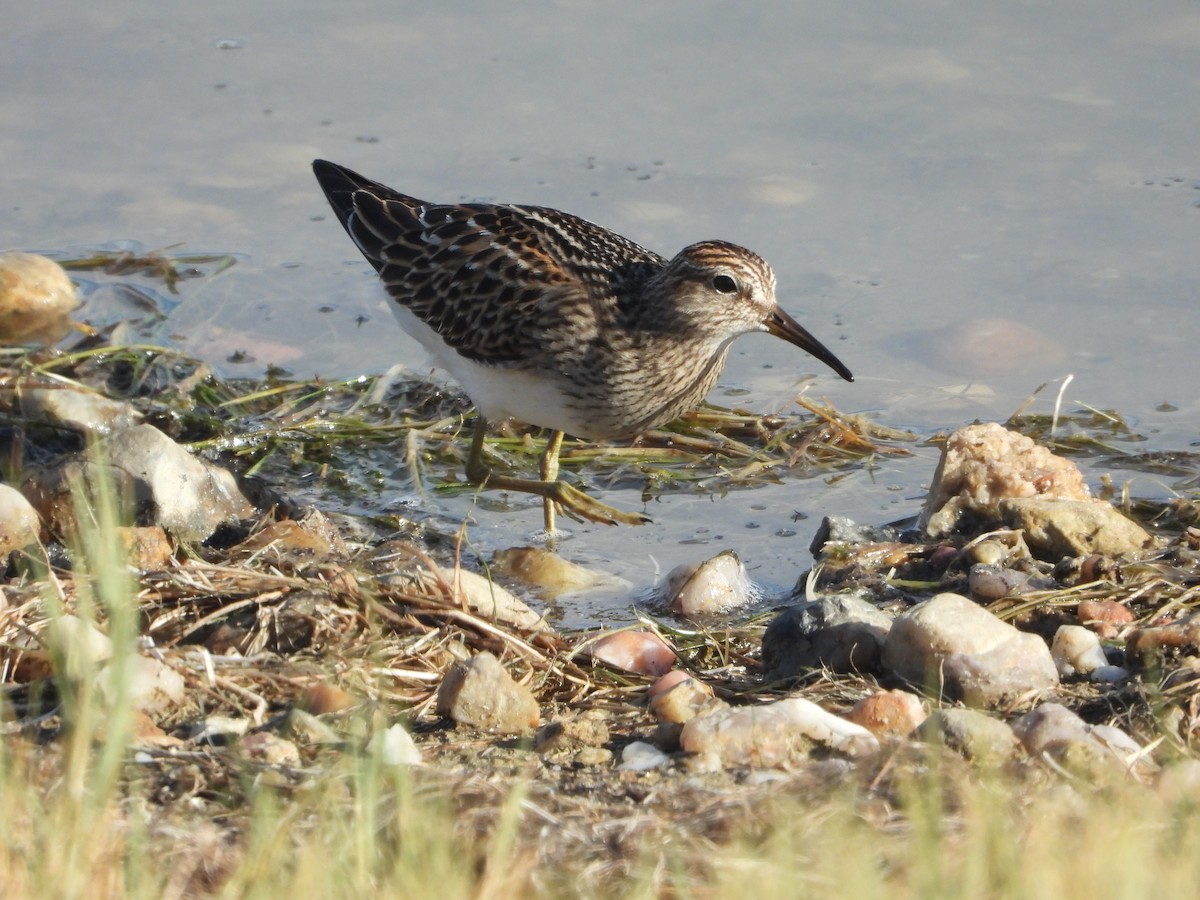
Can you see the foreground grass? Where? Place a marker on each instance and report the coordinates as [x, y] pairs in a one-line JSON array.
[[371, 830]]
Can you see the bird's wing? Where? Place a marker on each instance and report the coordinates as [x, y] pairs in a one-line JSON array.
[[485, 277]]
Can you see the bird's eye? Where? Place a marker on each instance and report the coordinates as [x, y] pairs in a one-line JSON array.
[[725, 284]]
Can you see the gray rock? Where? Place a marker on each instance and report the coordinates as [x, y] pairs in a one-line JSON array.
[[843, 632], [83, 411], [1095, 751], [950, 646], [185, 495], [1049, 724], [976, 735], [842, 530]]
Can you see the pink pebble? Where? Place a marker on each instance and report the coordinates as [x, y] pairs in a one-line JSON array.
[[667, 682], [640, 652], [889, 713]]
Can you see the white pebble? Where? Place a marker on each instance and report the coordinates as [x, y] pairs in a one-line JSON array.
[[642, 757], [717, 585], [1077, 650], [395, 747]]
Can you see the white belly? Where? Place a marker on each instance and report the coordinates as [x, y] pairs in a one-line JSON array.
[[500, 393]]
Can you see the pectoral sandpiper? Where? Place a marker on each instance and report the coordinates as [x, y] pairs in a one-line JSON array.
[[546, 318]]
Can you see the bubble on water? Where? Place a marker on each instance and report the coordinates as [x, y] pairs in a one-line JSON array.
[[230, 44]]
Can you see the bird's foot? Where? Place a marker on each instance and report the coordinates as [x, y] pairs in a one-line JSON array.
[[578, 505], [561, 496]]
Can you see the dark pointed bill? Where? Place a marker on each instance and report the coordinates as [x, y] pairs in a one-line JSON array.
[[782, 325]]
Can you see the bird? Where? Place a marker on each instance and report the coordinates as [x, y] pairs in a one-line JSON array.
[[544, 317]]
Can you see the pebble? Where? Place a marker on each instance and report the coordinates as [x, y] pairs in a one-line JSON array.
[[154, 687], [320, 699], [639, 652], [270, 749], [1148, 646], [1106, 617], [1108, 674], [547, 572], [1095, 567], [1077, 650], [76, 644], [993, 582], [989, 553], [715, 586], [893, 713], [481, 694], [394, 746], [36, 299], [951, 646], [666, 682], [771, 734], [147, 547], [19, 521], [678, 697], [642, 757], [974, 734], [1057, 528], [1097, 751]]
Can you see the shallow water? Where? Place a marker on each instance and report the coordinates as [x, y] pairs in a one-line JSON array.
[[914, 173]]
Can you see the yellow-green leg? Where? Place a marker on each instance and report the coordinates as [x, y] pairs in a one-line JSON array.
[[549, 469], [570, 500]]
